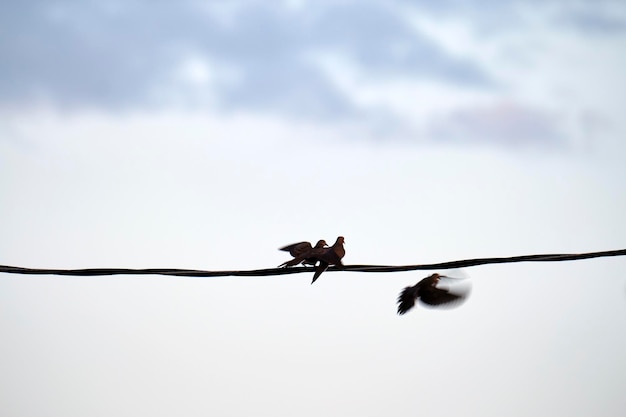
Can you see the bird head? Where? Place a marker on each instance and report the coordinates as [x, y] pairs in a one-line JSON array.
[[436, 277]]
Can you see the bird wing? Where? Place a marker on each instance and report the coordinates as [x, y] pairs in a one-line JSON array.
[[434, 296], [311, 255], [297, 249]]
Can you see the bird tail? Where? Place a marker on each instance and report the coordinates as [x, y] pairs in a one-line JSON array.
[[318, 271], [406, 299]]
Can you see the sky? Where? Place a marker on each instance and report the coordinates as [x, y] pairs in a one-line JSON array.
[[206, 135]]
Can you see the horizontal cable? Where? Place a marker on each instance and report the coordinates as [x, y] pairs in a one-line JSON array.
[[284, 271]]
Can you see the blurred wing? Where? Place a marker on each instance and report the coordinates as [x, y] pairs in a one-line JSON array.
[[434, 296], [297, 249], [406, 299], [456, 274], [312, 255]]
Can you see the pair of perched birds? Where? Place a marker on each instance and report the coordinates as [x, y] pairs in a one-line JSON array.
[[322, 256], [305, 254]]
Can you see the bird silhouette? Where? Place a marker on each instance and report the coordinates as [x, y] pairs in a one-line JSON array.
[[428, 293], [325, 256], [300, 248]]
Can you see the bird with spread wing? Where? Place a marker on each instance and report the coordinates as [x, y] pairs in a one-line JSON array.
[[430, 294], [301, 248]]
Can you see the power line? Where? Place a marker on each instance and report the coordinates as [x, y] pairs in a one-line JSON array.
[[284, 271]]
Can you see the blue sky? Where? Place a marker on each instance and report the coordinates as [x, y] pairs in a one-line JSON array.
[[206, 135]]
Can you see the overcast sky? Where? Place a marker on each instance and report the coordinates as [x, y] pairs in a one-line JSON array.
[[206, 135]]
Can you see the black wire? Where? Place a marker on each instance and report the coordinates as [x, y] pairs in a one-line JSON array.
[[284, 271]]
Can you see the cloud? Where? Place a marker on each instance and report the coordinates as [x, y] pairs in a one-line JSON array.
[[502, 124], [596, 19], [117, 55], [395, 67]]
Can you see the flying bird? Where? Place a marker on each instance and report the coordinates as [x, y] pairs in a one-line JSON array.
[[300, 248], [325, 256], [428, 293]]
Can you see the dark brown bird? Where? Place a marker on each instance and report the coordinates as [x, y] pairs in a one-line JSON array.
[[325, 256], [428, 293], [301, 248]]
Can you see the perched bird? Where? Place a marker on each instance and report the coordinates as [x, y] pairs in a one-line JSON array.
[[300, 248], [325, 256], [428, 293], [330, 256]]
